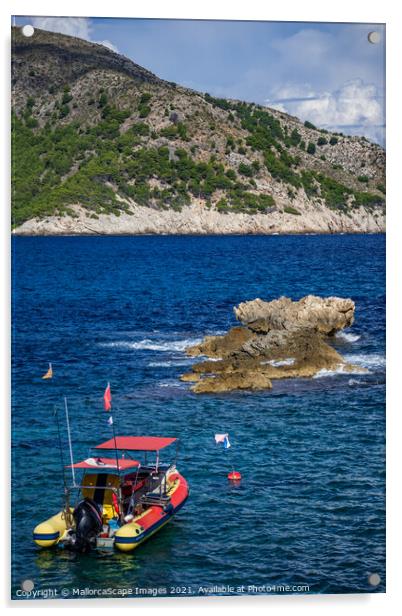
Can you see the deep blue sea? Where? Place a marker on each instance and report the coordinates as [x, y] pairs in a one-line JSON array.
[[310, 508]]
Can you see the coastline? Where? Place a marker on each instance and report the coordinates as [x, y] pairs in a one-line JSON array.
[[198, 220], [284, 234]]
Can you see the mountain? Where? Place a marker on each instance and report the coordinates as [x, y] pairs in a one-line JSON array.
[[102, 145]]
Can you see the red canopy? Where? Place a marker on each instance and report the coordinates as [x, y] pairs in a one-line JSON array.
[[100, 463], [137, 443]]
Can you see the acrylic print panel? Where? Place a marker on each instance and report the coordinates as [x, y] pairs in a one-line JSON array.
[[165, 178]]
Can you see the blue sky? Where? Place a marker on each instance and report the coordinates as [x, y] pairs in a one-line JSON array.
[[326, 73]]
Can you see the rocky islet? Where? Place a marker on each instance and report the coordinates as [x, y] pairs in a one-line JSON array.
[[276, 340]]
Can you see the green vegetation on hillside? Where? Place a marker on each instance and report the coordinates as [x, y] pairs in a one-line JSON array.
[[267, 136], [291, 210], [66, 162], [55, 168], [308, 124]]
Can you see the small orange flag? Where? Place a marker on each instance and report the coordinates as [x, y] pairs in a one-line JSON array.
[[49, 373]]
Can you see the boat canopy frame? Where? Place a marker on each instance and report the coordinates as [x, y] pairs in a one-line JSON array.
[[138, 443], [146, 444], [121, 466]]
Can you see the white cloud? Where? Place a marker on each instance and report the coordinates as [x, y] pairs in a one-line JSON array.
[[73, 26], [291, 91], [305, 48], [353, 108], [278, 107], [332, 77], [108, 44], [354, 103], [79, 27]]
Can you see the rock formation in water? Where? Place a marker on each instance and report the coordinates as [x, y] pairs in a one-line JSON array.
[[278, 339]]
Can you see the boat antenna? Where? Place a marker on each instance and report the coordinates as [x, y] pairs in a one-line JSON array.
[[115, 446], [68, 516], [56, 413], [69, 440], [119, 497]]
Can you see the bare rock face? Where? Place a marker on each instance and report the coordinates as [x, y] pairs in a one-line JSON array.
[[246, 379], [222, 346], [278, 339], [325, 315]]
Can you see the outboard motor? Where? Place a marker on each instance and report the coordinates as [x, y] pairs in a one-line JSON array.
[[88, 524]]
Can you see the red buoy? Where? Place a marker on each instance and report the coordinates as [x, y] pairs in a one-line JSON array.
[[234, 476]]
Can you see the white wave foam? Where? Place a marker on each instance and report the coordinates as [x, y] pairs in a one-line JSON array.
[[340, 369], [153, 345], [280, 362], [372, 360], [347, 336], [168, 364], [171, 384]]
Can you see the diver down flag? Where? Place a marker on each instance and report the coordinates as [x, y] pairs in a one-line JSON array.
[[107, 398], [224, 439]]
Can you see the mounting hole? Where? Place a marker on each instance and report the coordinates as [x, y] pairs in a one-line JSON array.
[[28, 30], [374, 579], [27, 585], [374, 37]]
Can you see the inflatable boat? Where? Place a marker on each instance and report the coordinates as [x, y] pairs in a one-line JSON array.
[[119, 501]]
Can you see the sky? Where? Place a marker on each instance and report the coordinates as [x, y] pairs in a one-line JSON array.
[[327, 73]]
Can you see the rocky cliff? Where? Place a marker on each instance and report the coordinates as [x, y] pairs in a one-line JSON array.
[[101, 145]]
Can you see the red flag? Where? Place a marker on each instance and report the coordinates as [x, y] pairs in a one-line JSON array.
[[107, 398]]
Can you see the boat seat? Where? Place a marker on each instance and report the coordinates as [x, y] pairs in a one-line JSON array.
[[129, 487], [161, 467], [152, 498]]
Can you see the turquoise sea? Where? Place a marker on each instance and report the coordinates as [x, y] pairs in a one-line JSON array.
[[310, 509]]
